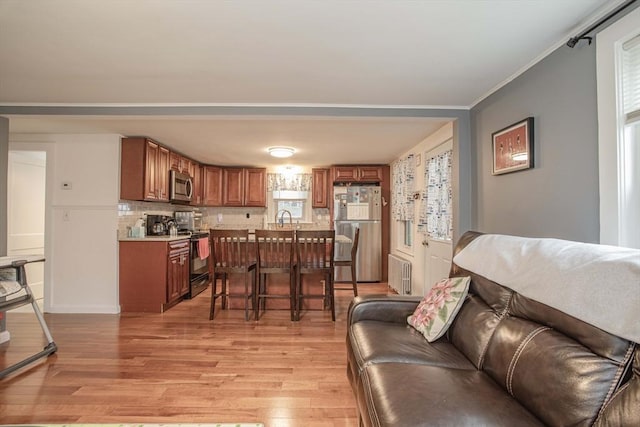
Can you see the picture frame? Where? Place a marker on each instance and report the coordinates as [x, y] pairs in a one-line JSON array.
[[512, 147]]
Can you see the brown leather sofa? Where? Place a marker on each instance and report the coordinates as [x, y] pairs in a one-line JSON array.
[[506, 360]]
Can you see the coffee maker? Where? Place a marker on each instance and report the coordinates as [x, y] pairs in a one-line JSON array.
[[158, 225]]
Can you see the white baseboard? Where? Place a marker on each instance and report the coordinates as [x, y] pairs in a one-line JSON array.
[[84, 309], [4, 336]]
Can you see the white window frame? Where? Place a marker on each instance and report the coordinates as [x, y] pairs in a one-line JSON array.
[[405, 236], [610, 126], [272, 209]]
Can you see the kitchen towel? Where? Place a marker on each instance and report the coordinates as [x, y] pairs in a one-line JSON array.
[[203, 248]]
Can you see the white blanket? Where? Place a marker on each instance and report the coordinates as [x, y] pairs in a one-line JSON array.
[[595, 283]]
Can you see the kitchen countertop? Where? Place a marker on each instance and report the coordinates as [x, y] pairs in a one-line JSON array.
[[339, 238], [154, 238]]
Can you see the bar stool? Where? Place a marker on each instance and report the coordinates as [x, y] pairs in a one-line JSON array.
[[274, 255], [351, 263], [314, 255], [230, 255]]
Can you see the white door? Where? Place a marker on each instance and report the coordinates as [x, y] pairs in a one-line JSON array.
[[437, 243], [26, 213]]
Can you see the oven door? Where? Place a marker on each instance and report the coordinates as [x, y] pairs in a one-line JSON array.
[[198, 266]]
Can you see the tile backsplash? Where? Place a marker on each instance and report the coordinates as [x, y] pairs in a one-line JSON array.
[[212, 217]]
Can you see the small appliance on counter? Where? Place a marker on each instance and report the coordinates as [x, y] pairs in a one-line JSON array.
[[188, 220], [158, 225]]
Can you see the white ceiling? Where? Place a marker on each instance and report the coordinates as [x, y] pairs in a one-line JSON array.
[[390, 54]]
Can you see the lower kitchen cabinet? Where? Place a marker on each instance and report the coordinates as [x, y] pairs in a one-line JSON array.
[[154, 275]]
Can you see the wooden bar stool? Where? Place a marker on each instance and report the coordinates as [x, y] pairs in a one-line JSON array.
[[274, 255], [351, 263], [314, 255], [229, 255]]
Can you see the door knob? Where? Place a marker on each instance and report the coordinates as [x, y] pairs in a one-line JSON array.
[[425, 243]]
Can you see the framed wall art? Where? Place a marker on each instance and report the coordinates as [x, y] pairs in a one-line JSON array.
[[513, 147]]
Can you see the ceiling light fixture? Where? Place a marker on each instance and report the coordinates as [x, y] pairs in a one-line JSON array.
[[281, 152]]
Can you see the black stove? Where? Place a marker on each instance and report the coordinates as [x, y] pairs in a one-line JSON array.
[[199, 277]]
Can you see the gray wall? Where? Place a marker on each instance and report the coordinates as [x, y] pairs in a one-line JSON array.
[[559, 196]]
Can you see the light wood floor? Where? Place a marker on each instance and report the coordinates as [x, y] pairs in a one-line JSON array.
[[178, 367]]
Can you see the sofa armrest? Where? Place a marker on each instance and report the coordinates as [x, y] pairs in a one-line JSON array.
[[384, 308]]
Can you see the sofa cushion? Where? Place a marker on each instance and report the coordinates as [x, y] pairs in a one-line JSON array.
[[474, 325], [397, 394], [378, 342], [555, 377], [439, 307], [623, 409]]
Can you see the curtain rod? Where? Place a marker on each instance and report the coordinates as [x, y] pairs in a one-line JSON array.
[[583, 35]]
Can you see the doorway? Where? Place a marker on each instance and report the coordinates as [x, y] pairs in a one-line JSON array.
[[437, 213], [26, 206]]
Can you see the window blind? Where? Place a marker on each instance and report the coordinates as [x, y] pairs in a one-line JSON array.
[[631, 78]]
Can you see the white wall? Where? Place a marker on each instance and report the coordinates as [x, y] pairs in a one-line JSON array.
[[81, 247], [417, 254]]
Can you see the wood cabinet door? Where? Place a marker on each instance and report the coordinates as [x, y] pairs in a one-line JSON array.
[[151, 191], [212, 186], [232, 187], [174, 274], [184, 274], [255, 187], [345, 173], [370, 173], [196, 175], [162, 174], [174, 161], [320, 188]]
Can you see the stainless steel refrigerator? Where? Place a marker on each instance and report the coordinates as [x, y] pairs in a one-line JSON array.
[[358, 207]]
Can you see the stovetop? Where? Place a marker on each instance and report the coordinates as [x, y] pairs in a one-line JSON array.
[[199, 234]]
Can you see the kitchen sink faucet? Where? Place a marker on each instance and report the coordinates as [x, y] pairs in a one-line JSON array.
[[280, 221]]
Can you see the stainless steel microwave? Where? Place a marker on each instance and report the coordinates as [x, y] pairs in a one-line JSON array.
[[181, 187]]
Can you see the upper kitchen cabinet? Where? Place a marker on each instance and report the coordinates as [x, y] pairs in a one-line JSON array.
[[320, 187], [255, 187], [211, 186], [244, 187], [180, 164], [357, 173], [144, 170], [195, 171]]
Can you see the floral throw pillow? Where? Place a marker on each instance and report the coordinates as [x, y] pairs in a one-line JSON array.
[[436, 311]]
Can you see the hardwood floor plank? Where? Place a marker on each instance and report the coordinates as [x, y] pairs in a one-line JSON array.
[[179, 367]]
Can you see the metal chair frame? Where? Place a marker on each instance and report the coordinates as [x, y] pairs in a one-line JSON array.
[[18, 301]]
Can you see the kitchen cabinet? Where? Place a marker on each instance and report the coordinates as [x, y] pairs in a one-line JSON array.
[[144, 170], [180, 164], [359, 173], [320, 188], [233, 186], [153, 274], [196, 174], [211, 186], [255, 187], [177, 270], [244, 187]]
